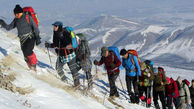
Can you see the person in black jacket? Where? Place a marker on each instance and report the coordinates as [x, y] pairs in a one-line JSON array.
[[192, 93], [28, 34], [62, 43]]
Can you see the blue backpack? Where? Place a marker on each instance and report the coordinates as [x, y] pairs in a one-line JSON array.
[[73, 36], [116, 51]]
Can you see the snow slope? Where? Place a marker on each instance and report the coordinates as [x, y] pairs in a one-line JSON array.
[[48, 91]]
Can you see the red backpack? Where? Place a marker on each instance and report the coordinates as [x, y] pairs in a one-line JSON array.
[[30, 11], [186, 82], [134, 52]]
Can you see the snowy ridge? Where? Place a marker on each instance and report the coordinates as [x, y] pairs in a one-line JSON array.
[[154, 29], [151, 41], [108, 34]]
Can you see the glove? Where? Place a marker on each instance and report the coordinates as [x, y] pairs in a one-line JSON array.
[[112, 65], [47, 45], [95, 62], [38, 41], [188, 101]]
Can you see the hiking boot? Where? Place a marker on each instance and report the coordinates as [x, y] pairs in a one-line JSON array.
[[64, 79], [112, 97], [116, 94], [157, 106], [33, 67], [29, 66], [76, 82], [148, 106]]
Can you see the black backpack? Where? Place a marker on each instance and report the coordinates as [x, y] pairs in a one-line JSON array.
[[83, 48]]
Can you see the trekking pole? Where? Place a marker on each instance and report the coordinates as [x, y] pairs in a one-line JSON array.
[[122, 86], [84, 68], [49, 56], [147, 97]]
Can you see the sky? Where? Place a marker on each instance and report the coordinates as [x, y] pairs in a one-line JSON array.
[[76, 11]]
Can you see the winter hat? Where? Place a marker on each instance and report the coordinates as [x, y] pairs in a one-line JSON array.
[[103, 51], [17, 9], [57, 23], [193, 80], [123, 52], [160, 69], [179, 80]]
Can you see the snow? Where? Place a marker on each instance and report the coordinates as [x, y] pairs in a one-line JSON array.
[[107, 34], [154, 29], [51, 93], [44, 96]]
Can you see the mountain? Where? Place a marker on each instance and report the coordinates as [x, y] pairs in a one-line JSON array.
[[164, 44]]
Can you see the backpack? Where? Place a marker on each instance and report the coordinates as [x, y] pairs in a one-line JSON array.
[[83, 47], [73, 36], [134, 52], [29, 11], [115, 50], [185, 81]]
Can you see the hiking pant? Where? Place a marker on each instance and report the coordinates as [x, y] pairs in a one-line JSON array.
[[73, 68], [147, 91], [183, 104], [162, 99], [171, 100], [133, 96], [113, 89], [27, 49]]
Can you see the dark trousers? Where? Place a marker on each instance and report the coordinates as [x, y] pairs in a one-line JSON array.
[[147, 91], [134, 96], [113, 89], [129, 82], [174, 100], [162, 99], [28, 46], [73, 68]]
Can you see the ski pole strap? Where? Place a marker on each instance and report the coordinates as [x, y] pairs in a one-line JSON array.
[[24, 37]]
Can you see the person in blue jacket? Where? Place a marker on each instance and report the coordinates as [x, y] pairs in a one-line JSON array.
[[133, 71]]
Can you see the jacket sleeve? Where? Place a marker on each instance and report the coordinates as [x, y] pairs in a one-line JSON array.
[[34, 26], [164, 80], [6, 26], [188, 95], [117, 61], [151, 74], [137, 65], [101, 61]]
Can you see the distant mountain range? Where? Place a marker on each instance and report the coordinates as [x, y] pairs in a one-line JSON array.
[[171, 45]]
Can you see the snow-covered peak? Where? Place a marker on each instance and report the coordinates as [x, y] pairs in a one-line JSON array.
[[154, 29], [105, 22]]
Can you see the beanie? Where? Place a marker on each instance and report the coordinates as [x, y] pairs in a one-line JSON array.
[[17, 9]]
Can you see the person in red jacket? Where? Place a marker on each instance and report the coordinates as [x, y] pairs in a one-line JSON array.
[[172, 93], [112, 64]]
